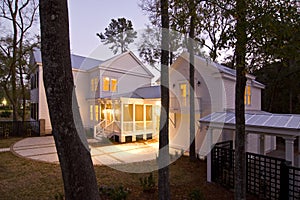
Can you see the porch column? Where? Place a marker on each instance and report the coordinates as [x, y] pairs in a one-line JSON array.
[[209, 135], [289, 149], [262, 144]]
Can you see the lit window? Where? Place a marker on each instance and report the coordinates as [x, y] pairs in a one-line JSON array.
[[184, 93], [96, 112], [91, 113], [94, 84], [247, 99], [105, 84], [114, 84]]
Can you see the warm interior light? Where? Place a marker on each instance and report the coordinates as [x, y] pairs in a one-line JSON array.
[[4, 102]]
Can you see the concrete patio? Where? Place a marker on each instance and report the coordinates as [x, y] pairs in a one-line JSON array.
[[43, 149]]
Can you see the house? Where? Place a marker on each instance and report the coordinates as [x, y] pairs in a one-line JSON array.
[[214, 92], [98, 83], [116, 99]]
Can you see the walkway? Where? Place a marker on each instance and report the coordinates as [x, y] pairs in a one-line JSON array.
[[43, 149]]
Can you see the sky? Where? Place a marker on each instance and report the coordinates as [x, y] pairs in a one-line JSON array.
[[89, 17]]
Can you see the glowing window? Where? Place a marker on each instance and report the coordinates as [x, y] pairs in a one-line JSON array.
[[184, 93], [91, 113], [96, 112], [247, 99], [105, 84], [114, 84], [94, 84]]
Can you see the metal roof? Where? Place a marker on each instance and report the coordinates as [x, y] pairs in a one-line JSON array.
[[256, 122], [78, 62]]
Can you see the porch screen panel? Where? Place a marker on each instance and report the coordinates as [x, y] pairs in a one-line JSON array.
[[139, 117], [117, 111], [149, 123], [127, 117]]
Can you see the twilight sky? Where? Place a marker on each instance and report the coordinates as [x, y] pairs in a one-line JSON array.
[[89, 17]]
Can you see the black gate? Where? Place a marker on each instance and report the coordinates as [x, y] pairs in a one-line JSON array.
[[266, 177]]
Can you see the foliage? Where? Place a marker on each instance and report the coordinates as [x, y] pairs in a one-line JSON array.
[[148, 183], [119, 34], [59, 196], [196, 194], [114, 193], [16, 44]]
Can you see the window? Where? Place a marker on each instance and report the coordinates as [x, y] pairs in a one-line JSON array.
[[139, 112], [148, 112], [91, 113], [113, 86], [128, 112], [247, 99], [110, 84], [94, 84], [96, 112], [34, 80], [105, 84], [34, 110], [183, 93]]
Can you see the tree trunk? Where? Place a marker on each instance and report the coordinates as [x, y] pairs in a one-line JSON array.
[[74, 156], [163, 158], [240, 136], [192, 81]]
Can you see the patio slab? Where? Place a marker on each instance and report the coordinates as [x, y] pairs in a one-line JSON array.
[[43, 149]]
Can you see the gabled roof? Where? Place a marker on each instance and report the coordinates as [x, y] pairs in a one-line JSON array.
[[221, 68], [78, 62], [110, 61]]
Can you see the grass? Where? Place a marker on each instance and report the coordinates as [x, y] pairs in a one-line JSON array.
[[7, 142], [26, 179]]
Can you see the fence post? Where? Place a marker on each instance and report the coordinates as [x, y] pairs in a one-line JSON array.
[[284, 180]]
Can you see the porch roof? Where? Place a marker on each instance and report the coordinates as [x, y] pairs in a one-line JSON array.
[[147, 92], [269, 123]]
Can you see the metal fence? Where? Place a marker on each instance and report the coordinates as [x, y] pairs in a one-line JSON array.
[[19, 128], [266, 177]]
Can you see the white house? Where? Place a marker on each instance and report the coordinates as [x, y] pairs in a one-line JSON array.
[[116, 98], [97, 84], [214, 92]]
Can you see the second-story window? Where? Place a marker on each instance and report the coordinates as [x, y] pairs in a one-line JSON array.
[[110, 84], [247, 97], [94, 84], [184, 93]]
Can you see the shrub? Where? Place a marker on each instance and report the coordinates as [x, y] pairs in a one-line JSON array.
[[148, 183], [196, 194], [114, 193]]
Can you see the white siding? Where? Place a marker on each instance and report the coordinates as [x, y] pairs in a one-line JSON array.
[[43, 105]]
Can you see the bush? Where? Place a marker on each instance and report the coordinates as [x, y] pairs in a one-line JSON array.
[[196, 195], [148, 183], [114, 193]]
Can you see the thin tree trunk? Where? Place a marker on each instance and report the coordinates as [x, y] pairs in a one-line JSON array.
[[163, 158], [192, 80], [240, 136], [74, 156]]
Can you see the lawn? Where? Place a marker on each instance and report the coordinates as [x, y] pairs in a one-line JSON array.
[[22, 178]]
